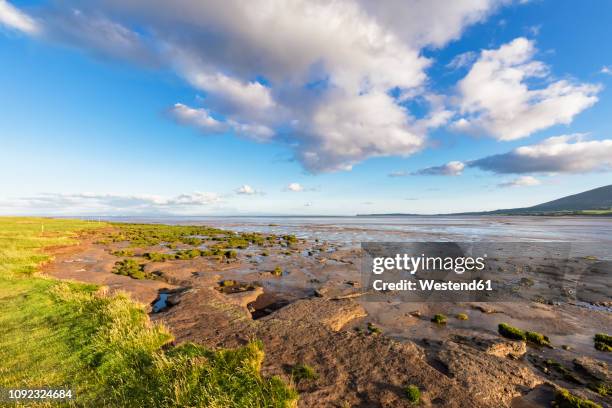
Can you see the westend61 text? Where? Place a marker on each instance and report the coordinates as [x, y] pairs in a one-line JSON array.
[[431, 285]]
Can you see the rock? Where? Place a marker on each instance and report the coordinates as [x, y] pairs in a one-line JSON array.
[[484, 309], [485, 376], [337, 290], [333, 314], [246, 297], [514, 349], [494, 345], [595, 368]]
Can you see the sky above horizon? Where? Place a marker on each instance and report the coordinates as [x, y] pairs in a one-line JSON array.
[[301, 107]]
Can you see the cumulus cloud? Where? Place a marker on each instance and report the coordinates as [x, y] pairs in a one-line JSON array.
[[313, 74], [245, 189], [524, 181], [453, 168], [84, 203], [606, 70], [496, 99], [294, 187], [345, 130], [14, 18], [433, 22], [559, 154]]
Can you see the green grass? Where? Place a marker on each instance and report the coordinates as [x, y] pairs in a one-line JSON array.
[[564, 399], [373, 329], [511, 332], [123, 252], [142, 235], [303, 372], [131, 268], [105, 348], [603, 342], [413, 394], [517, 334], [439, 319], [602, 388], [596, 212], [158, 256], [146, 235], [537, 338]]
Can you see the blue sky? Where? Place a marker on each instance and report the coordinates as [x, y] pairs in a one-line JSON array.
[[246, 108]]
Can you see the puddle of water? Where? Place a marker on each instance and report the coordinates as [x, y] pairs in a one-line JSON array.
[[593, 307], [161, 303]]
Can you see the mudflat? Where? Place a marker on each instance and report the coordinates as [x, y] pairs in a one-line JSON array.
[[302, 298]]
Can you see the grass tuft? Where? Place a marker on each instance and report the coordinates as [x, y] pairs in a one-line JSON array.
[[511, 332], [564, 399], [373, 329], [131, 268], [413, 394], [303, 372], [603, 342], [537, 338], [439, 319]]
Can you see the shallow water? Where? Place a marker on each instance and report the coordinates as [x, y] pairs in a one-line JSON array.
[[161, 302], [353, 230]]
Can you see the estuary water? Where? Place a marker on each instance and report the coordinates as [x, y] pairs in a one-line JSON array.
[[354, 230]]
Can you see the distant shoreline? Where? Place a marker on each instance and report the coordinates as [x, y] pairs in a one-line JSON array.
[[492, 214]]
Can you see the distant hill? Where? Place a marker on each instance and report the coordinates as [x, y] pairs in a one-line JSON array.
[[593, 202], [598, 199]]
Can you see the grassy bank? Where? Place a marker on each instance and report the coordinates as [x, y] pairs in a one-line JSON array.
[[69, 335]]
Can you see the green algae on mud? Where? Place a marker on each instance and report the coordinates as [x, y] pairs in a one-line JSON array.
[[142, 235], [517, 334], [105, 348]]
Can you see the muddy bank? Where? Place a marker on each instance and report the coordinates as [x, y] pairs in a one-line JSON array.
[[303, 300]]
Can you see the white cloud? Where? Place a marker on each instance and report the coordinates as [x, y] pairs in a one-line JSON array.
[[229, 94], [606, 70], [14, 18], [524, 181], [256, 63], [197, 117], [295, 187], [433, 22], [98, 34], [346, 130], [453, 168], [560, 154], [95, 203], [245, 189], [496, 99], [462, 60], [399, 173], [202, 120]]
